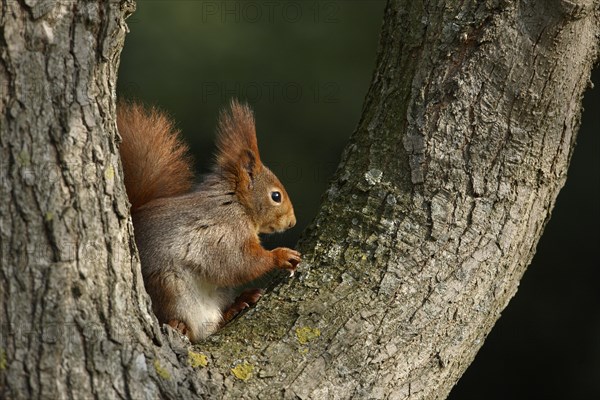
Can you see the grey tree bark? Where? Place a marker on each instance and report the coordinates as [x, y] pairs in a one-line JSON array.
[[428, 225]]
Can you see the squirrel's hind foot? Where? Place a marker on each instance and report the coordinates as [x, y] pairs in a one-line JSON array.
[[179, 326], [246, 299]]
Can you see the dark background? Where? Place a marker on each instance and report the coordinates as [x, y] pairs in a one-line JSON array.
[[305, 67]]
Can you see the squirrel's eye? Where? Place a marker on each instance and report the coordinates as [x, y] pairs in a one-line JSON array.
[[276, 196]]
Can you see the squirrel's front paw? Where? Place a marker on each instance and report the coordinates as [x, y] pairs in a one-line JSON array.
[[286, 258]]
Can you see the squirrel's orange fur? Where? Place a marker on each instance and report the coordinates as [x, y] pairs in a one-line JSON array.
[[155, 160]]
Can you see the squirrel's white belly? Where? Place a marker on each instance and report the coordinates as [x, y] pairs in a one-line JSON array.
[[204, 307]]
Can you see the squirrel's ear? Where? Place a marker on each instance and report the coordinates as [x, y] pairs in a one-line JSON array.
[[248, 164], [236, 140]]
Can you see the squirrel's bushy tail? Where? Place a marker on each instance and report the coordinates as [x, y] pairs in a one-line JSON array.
[[155, 160]]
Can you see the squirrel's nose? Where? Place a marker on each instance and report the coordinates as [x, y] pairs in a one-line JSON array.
[[292, 222]]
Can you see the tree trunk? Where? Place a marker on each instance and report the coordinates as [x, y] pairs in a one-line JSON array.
[[425, 231]]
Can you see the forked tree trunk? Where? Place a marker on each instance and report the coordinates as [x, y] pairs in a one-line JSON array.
[[425, 231]]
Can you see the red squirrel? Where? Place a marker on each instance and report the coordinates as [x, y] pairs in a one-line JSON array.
[[195, 245]]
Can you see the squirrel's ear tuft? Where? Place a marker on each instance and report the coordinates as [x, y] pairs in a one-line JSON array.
[[236, 140]]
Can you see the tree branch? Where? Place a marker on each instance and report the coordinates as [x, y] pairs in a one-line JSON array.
[[436, 208]]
